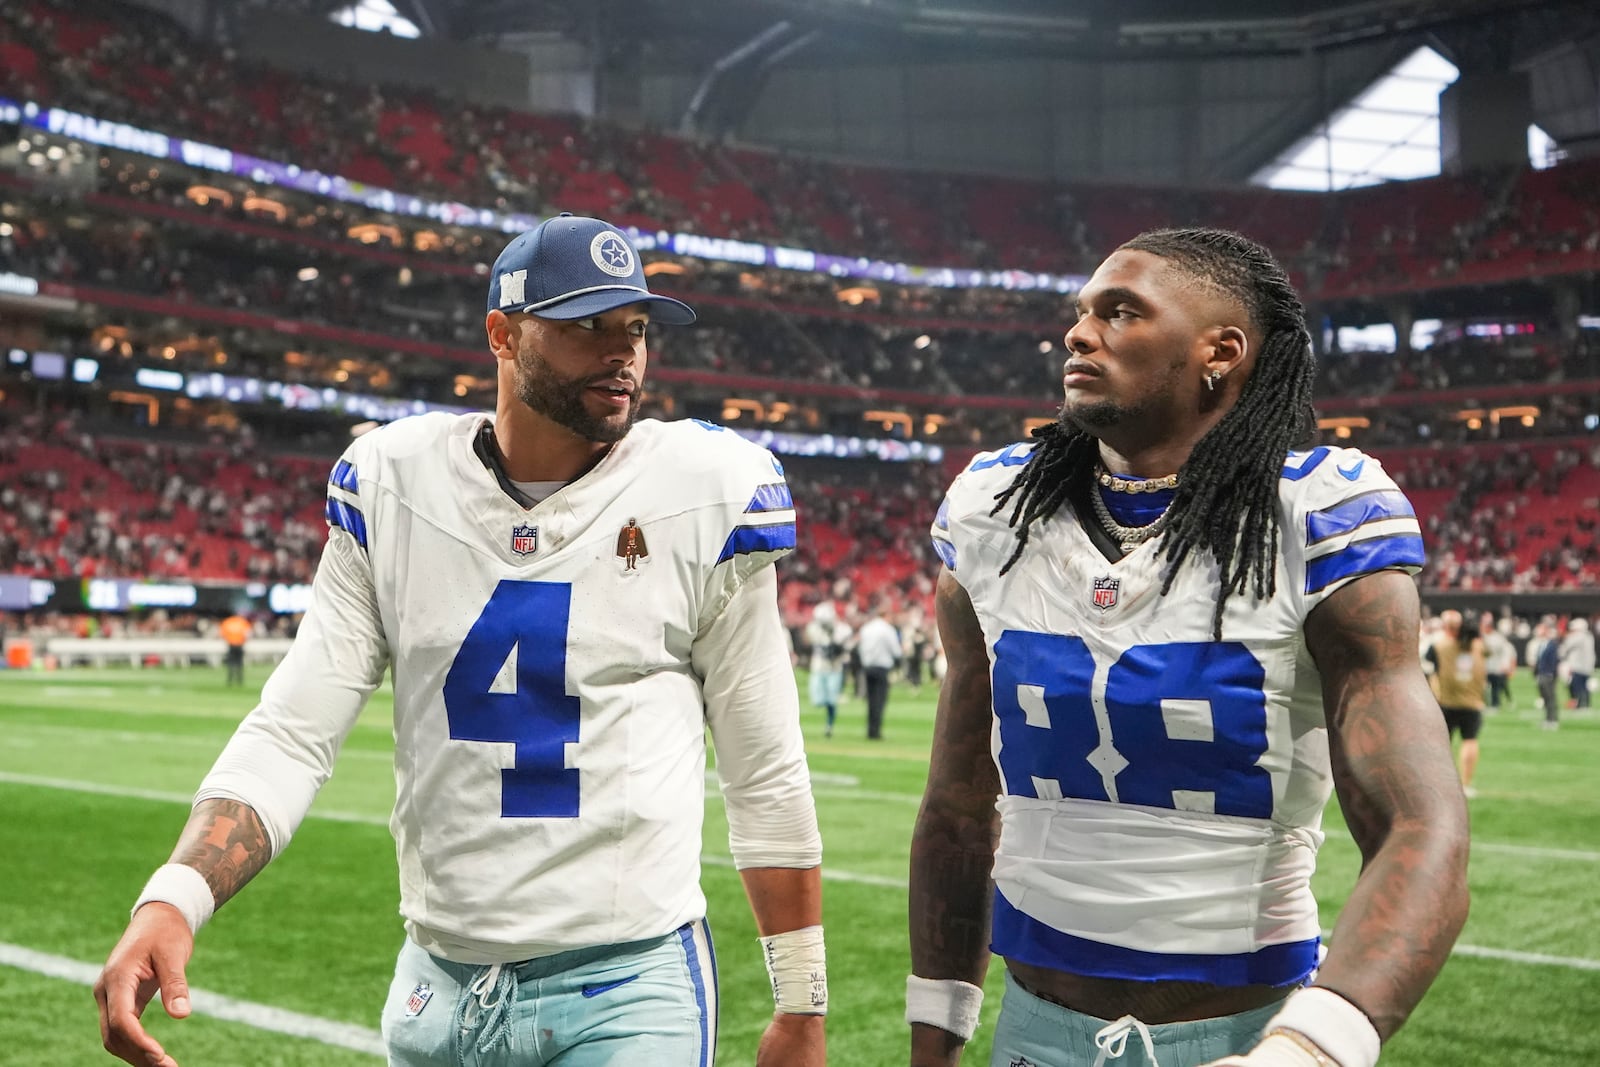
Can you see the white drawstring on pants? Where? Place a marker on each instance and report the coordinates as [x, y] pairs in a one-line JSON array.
[[498, 982], [1112, 1040]]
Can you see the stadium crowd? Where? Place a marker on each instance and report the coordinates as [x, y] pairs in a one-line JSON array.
[[397, 297]]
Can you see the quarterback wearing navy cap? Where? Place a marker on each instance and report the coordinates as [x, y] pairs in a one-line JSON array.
[[570, 267], [567, 601]]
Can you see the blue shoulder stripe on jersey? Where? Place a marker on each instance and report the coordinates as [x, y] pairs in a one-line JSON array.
[[744, 539], [942, 518], [1364, 557], [774, 496], [1352, 514], [1298, 465], [344, 476], [1006, 457], [348, 519], [947, 553], [1022, 937]]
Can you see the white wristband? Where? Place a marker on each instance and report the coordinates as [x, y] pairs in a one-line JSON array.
[[1337, 1027], [948, 1003], [184, 888], [797, 964]]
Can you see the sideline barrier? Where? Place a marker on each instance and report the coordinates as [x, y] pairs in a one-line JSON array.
[[167, 651]]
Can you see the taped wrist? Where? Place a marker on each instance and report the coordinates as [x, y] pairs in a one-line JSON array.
[[1337, 1031], [183, 887], [797, 964], [948, 1003]]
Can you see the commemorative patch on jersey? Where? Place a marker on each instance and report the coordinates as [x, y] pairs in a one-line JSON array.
[[419, 999], [631, 547], [1107, 591], [524, 539]]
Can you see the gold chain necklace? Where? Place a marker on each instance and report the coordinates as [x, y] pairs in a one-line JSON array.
[[1133, 485]]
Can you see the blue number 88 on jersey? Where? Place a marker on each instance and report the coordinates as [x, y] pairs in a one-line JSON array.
[[1180, 725]]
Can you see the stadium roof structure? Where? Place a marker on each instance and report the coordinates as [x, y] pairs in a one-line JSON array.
[[729, 47], [1093, 28]]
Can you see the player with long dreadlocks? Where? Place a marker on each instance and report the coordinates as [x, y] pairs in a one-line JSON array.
[[1170, 636]]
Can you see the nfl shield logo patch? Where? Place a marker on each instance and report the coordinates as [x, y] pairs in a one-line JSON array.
[[524, 540], [419, 999], [1105, 592]]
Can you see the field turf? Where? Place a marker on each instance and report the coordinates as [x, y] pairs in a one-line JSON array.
[[97, 767]]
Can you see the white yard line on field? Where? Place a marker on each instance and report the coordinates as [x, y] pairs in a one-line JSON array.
[[1499, 847], [214, 744], [216, 1005], [832, 874]]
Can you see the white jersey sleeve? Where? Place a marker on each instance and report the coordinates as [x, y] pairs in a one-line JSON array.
[[754, 715], [1344, 518], [284, 750], [742, 656]]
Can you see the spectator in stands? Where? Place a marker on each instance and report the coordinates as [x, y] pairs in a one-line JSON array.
[[828, 637], [878, 644], [1460, 672], [235, 631], [1156, 556], [457, 545], [1578, 660], [1500, 660]]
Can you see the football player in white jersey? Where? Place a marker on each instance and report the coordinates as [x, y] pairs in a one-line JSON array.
[[566, 601], [1169, 637]]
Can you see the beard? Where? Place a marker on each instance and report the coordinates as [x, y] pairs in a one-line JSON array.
[[1092, 416], [563, 400]]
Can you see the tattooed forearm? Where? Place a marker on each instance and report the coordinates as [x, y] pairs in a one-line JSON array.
[[952, 847], [1400, 797], [225, 841], [951, 856]]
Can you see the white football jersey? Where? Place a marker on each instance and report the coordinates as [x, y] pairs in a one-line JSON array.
[[1162, 791], [555, 669]]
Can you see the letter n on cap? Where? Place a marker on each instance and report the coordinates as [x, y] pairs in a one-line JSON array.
[[512, 284]]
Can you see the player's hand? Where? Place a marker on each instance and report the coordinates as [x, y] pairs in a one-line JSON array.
[[151, 955], [793, 1041], [1275, 1050]]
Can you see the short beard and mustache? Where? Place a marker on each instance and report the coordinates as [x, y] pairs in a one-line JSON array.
[[561, 400]]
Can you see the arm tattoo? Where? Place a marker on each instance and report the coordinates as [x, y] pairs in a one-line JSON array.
[[1400, 796], [952, 848], [225, 841]]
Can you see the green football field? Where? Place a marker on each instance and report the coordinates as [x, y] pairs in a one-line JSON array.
[[97, 767]]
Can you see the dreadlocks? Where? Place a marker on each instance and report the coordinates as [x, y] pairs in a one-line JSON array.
[[1227, 495]]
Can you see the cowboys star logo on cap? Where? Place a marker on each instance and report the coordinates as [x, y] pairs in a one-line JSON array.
[[611, 254]]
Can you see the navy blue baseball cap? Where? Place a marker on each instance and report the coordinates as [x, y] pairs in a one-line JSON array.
[[571, 267]]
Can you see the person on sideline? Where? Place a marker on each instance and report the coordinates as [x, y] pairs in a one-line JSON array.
[[878, 644], [828, 637], [567, 600], [1500, 660], [1460, 671], [1547, 672], [235, 631], [1170, 636], [1578, 660]]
